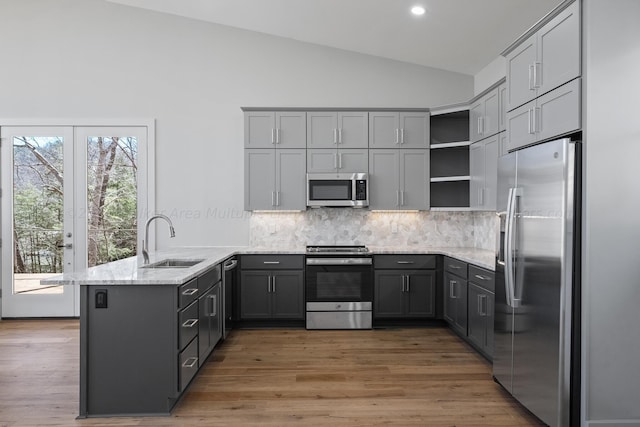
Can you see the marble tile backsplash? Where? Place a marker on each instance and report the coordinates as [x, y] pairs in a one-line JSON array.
[[336, 226]]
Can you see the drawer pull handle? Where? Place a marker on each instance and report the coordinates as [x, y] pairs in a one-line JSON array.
[[405, 262], [271, 262], [452, 289], [190, 323], [189, 292], [454, 267], [214, 305], [482, 277], [190, 362]]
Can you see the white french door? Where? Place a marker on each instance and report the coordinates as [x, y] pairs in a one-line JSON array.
[[71, 197]]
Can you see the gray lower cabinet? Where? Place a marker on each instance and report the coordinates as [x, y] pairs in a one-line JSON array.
[[337, 160], [404, 294], [210, 324], [275, 179], [272, 287], [481, 300], [404, 286], [140, 352], [399, 179], [455, 295]]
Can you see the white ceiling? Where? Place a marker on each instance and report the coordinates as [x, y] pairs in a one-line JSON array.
[[455, 35]]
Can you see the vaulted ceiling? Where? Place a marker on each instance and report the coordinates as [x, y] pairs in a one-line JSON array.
[[456, 35]]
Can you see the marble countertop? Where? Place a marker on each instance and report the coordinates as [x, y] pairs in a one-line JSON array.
[[128, 271]]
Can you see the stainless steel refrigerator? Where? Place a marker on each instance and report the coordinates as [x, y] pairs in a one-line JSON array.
[[537, 308]]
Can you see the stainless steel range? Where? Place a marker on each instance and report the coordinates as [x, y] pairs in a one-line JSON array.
[[339, 287]]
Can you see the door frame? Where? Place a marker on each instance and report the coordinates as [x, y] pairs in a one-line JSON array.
[[149, 177]]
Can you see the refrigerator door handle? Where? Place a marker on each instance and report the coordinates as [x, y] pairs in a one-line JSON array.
[[514, 193]]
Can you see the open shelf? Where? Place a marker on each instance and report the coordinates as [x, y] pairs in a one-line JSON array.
[[449, 165]]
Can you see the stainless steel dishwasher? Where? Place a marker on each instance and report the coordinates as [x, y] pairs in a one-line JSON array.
[[229, 280]]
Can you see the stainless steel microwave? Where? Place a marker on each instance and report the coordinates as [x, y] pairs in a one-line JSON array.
[[338, 190]]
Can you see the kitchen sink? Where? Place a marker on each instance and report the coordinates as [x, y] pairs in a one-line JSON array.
[[173, 263]]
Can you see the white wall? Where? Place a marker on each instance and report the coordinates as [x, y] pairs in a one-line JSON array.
[[611, 271], [494, 71], [89, 58]]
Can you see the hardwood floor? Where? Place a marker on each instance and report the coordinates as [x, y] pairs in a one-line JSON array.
[[404, 377]]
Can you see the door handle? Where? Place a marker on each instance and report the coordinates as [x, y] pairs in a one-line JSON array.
[[397, 136], [273, 284], [408, 283], [340, 136], [278, 136], [402, 136], [335, 136], [452, 284], [403, 283], [340, 161], [214, 306], [65, 245]]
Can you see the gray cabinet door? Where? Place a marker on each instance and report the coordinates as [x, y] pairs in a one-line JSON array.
[[389, 294], [502, 108], [558, 50], [477, 329], [353, 160], [491, 151], [255, 298], [291, 129], [476, 111], [384, 129], [259, 129], [384, 179], [520, 73], [455, 306], [504, 144], [322, 129], [491, 119], [558, 112], [414, 179], [520, 126], [322, 160], [291, 168], [353, 129], [287, 294], [205, 342], [420, 294], [477, 172], [553, 114], [414, 130], [259, 179]]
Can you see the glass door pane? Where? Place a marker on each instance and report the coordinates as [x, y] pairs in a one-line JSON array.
[[112, 194], [36, 220]]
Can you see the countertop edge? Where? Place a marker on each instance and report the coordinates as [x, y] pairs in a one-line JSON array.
[[127, 272]]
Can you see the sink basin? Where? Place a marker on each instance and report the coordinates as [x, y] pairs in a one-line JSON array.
[[173, 263]]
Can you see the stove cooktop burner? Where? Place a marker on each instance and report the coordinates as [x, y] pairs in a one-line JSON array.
[[336, 249]]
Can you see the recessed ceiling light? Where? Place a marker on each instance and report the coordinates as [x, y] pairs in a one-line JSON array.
[[417, 10]]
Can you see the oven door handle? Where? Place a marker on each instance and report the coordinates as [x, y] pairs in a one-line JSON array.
[[339, 261]]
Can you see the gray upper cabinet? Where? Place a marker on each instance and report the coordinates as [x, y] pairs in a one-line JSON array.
[[259, 179], [546, 60], [275, 179], [502, 109], [275, 129], [484, 116], [344, 161], [399, 179], [398, 129], [343, 129], [553, 114], [483, 167]]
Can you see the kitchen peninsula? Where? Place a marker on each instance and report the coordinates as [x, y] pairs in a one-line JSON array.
[[145, 332]]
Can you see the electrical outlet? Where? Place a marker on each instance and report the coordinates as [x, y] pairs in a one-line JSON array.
[[101, 298]]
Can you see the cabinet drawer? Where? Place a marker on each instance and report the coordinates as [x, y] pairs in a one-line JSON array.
[[188, 324], [483, 278], [188, 364], [187, 293], [272, 262], [459, 268], [209, 279], [405, 261]]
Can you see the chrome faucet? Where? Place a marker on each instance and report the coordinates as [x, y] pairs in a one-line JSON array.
[[145, 242]]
